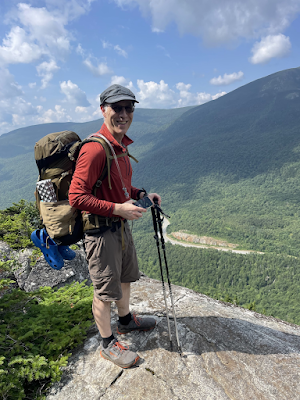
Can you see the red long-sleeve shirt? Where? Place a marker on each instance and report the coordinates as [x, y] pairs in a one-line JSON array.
[[89, 166]]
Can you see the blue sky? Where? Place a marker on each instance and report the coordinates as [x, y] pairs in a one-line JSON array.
[[57, 56]]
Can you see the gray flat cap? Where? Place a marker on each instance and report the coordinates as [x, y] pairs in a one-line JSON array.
[[116, 93]]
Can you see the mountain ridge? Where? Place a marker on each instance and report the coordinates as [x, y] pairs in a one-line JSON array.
[[228, 169]]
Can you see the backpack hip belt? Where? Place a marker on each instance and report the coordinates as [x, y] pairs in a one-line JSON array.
[[93, 222]]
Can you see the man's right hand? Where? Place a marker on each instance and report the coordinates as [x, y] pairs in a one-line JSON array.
[[128, 210]]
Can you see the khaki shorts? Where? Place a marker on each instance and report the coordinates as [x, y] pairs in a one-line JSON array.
[[109, 265]]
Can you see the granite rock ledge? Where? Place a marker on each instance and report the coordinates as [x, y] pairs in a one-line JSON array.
[[228, 353]]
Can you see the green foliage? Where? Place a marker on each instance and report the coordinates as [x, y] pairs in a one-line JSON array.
[[8, 265], [4, 283], [35, 255], [251, 306], [37, 332], [17, 222], [267, 283]]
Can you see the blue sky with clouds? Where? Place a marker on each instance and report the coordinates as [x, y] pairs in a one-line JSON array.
[[57, 56]]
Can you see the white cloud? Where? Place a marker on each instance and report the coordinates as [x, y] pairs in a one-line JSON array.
[[14, 110], [156, 30], [32, 85], [97, 113], [155, 95], [218, 21], [79, 50], [17, 48], [22, 111], [71, 9], [80, 109], [74, 94], [117, 48], [59, 114], [120, 51], [84, 115], [270, 47], [99, 70], [120, 80], [9, 87], [160, 95], [45, 27], [46, 70], [227, 79], [187, 98], [106, 45], [40, 31], [22, 107], [216, 96]]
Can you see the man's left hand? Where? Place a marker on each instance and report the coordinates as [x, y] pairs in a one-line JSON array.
[[153, 196]]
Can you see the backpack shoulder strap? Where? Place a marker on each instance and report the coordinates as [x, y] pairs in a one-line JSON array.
[[106, 169], [129, 155]]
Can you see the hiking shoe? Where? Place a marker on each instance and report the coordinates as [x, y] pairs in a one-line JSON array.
[[119, 354], [137, 324]]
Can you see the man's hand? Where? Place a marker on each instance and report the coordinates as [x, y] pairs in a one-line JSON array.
[[153, 196], [128, 211]]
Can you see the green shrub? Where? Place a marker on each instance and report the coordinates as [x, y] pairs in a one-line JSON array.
[[17, 222], [37, 332]]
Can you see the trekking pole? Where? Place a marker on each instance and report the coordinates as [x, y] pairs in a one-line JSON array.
[[160, 219], [154, 218], [157, 215]]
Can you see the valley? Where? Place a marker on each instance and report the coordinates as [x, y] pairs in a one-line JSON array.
[[186, 240]]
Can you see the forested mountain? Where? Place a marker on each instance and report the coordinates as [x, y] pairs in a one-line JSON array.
[[231, 168]]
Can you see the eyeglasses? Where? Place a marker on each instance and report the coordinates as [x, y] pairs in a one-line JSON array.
[[118, 109]]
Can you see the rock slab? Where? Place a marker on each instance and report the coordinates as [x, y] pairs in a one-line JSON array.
[[227, 353]]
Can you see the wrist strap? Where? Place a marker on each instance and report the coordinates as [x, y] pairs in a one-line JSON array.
[[141, 191]]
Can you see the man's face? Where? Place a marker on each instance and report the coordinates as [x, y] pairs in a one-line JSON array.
[[117, 123]]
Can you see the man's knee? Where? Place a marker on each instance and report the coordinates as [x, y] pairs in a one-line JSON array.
[[99, 305]]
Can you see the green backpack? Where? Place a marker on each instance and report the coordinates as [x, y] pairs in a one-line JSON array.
[[56, 155]]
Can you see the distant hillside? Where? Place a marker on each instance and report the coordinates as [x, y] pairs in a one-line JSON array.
[[231, 168], [18, 172]]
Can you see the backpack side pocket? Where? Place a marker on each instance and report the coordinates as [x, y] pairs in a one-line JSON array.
[[58, 217]]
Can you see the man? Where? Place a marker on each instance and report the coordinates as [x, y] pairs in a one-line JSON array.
[[110, 251]]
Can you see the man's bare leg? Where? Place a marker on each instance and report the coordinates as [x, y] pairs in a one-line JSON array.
[[111, 349], [101, 311], [123, 304]]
